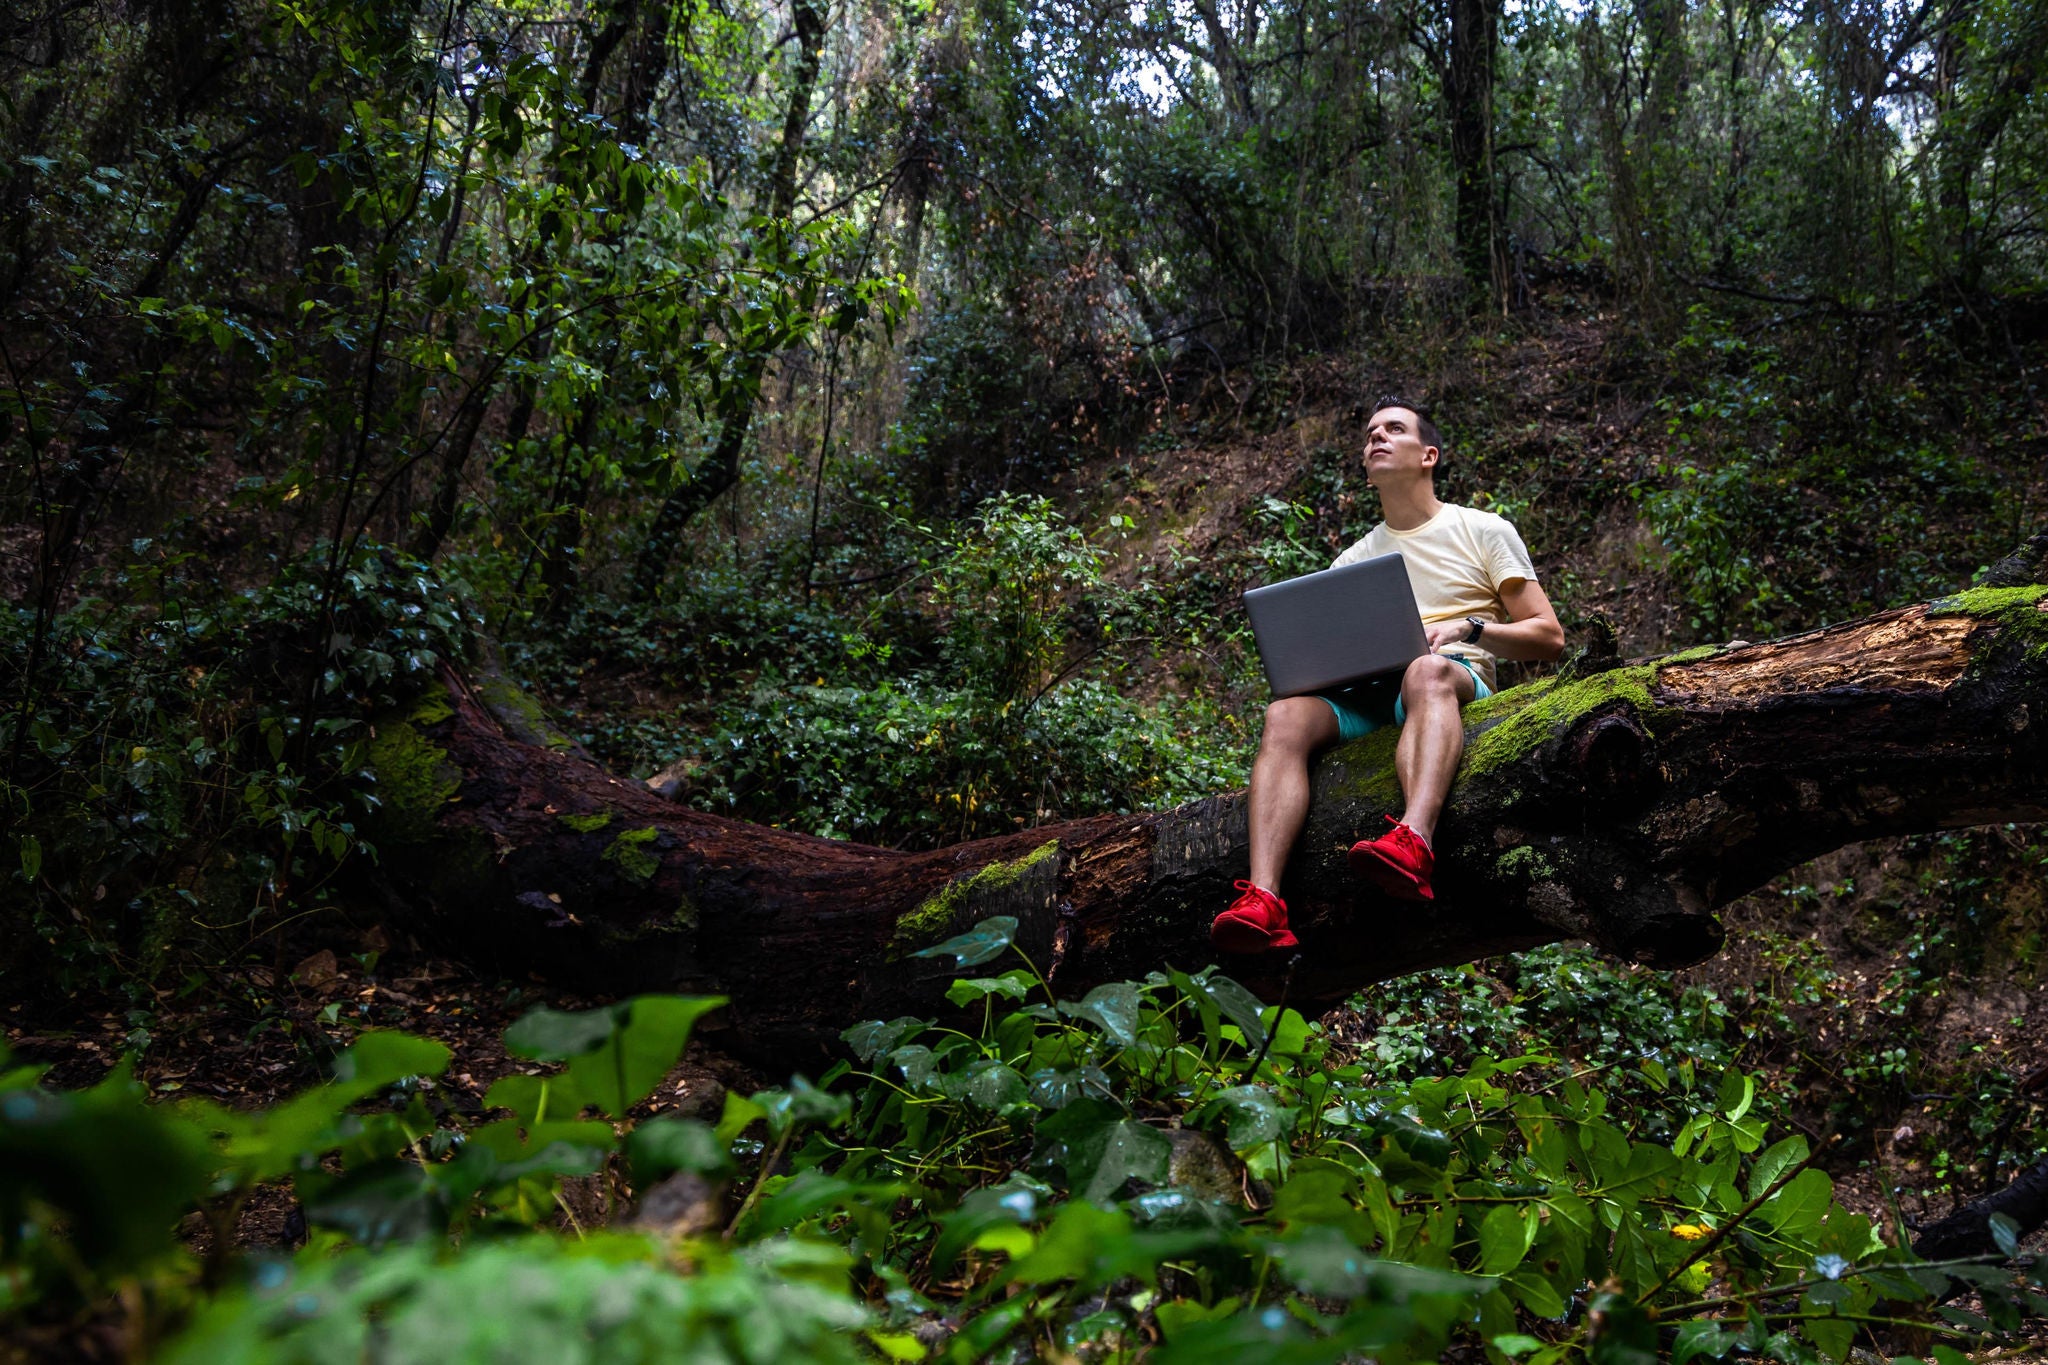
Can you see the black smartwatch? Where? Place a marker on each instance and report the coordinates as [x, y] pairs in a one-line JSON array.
[[1478, 624]]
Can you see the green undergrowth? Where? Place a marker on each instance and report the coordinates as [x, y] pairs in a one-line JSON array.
[[1162, 1170], [994, 693], [1858, 990], [198, 765]]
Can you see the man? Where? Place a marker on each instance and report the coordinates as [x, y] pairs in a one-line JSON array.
[[1479, 600]]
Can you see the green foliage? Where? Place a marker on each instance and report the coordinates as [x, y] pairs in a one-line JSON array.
[[605, 1299], [1002, 726], [904, 760], [197, 755], [1649, 1040], [491, 281], [1757, 482], [1161, 1158]]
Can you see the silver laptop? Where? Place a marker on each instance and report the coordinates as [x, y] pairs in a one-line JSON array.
[[1340, 626]]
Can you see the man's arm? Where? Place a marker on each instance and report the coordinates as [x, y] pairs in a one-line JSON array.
[[1532, 631]]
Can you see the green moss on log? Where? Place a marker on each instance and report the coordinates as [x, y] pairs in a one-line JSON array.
[[1536, 712], [587, 824], [1524, 863], [523, 717], [414, 781], [629, 854], [2022, 611], [1502, 729], [934, 919], [2001, 603], [433, 707], [1362, 772]]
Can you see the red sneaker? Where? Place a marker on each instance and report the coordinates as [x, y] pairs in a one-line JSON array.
[[1256, 922], [1397, 862]]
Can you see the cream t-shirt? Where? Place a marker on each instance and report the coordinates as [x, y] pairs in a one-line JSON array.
[[1457, 563]]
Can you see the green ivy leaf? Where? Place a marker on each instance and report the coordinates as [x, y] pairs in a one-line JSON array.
[[1095, 1246], [387, 1202], [535, 1098], [871, 1038], [994, 1086], [551, 1035], [119, 1172], [1100, 1151], [1289, 1030], [802, 1105], [385, 1057], [1113, 1008], [985, 942], [917, 1063], [1254, 1115], [1324, 1262], [1236, 1004], [1054, 1088], [649, 1038], [1701, 1338], [1018, 1200], [1014, 984]]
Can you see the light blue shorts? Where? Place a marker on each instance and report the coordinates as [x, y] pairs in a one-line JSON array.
[[1365, 707]]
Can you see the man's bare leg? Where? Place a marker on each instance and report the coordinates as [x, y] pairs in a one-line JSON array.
[[1432, 741], [1295, 728]]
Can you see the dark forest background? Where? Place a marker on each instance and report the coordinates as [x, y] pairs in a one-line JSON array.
[[862, 418]]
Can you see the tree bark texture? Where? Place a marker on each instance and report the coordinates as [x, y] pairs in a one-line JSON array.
[[1621, 808], [1468, 88]]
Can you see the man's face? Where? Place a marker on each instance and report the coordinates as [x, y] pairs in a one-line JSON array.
[[1393, 449]]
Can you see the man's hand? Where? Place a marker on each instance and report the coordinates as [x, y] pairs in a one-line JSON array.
[[1446, 633], [1530, 632]]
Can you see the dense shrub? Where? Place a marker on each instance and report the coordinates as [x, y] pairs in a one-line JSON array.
[[190, 755]]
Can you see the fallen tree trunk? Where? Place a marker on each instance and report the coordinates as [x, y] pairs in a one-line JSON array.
[[1967, 1231], [1621, 808]]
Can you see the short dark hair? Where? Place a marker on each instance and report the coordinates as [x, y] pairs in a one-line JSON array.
[[1425, 425]]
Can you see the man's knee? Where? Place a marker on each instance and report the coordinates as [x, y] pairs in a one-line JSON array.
[[1431, 676], [1297, 724]]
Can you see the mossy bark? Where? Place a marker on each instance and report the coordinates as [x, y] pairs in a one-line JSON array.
[[1620, 808]]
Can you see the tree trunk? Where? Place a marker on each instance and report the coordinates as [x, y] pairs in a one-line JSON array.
[[1620, 808], [1475, 42], [2002, 82]]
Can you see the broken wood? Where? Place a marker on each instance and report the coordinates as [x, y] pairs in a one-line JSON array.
[[1621, 808]]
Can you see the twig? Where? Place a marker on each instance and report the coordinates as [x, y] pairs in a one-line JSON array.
[[1278, 1010], [767, 1169]]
